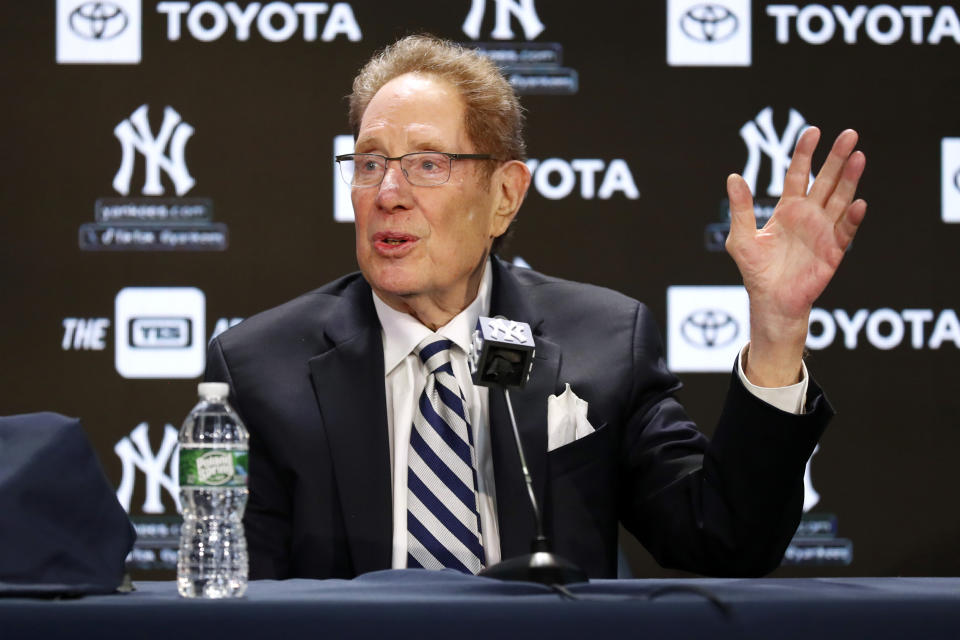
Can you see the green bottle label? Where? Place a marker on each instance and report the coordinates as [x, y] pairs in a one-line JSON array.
[[213, 468]]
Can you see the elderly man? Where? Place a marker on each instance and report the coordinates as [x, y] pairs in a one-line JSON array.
[[370, 446]]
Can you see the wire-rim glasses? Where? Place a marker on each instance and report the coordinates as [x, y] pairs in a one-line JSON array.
[[420, 168]]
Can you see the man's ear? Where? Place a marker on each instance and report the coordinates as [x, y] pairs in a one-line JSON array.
[[511, 180]]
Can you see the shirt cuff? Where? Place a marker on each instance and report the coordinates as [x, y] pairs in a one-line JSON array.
[[792, 399]]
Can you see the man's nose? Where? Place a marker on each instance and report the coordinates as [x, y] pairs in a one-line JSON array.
[[393, 190], [393, 173]]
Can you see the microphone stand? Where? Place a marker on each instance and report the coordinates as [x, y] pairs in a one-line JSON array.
[[540, 565], [501, 356]]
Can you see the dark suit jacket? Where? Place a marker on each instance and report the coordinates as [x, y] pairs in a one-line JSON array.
[[307, 378]]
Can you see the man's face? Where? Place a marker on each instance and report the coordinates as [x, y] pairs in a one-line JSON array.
[[422, 241]]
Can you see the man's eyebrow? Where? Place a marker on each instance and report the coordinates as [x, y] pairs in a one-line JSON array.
[[428, 145], [364, 144]]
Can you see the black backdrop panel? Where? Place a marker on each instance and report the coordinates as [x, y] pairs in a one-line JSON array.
[[168, 171]]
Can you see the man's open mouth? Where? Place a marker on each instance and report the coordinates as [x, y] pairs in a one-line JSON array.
[[393, 240]]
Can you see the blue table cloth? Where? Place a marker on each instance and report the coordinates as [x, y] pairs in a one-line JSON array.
[[448, 605]]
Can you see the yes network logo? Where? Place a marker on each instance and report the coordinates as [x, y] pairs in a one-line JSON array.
[[709, 34], [160, 332]]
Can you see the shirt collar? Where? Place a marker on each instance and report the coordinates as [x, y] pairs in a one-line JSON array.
[[402, 332]]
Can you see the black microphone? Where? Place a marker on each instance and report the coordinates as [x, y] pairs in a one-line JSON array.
[[501, 355]]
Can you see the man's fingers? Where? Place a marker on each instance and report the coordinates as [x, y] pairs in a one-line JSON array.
[[798, 175], [846, 227], [829, 174], [847, 187], [742, 219]]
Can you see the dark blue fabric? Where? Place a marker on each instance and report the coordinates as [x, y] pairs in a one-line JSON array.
[[455, 442], [433, 349], [434, 546], [453, 401], [61, 527], [443, 514], [442, 471], [447, 605], [727, 508]]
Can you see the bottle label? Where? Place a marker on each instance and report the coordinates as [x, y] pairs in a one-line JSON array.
[[213, 468]]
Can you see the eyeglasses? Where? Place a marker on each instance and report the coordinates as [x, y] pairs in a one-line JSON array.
[[420, 168]]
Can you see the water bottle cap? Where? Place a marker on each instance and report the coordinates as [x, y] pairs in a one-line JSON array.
[[213, 389]]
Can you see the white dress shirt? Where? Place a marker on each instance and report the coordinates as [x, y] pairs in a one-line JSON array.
[[405, 379], [404, 382]]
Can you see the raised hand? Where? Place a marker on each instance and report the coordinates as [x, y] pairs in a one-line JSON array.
[[787, 264]]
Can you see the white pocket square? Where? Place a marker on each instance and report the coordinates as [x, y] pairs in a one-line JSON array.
[[566, 419]]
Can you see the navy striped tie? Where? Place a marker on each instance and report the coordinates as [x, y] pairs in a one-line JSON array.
[[443, 522]]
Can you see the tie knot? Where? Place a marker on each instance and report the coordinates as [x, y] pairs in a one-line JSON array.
[[434, 352]]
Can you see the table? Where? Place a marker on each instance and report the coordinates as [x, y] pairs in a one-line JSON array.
[[444, 604]]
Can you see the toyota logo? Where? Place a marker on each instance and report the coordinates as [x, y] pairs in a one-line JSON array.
[[98, 20], [956, 179], [709, 23], [710, 328]]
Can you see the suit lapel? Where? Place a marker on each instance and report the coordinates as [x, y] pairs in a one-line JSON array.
[[348, 384], [514, 513]]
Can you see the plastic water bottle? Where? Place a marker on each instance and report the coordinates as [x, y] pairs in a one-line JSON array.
[[212, 561]]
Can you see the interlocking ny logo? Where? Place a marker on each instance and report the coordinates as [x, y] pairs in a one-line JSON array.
[[522, 10], [760, 136], [134, 134], [508, 331], [98, 20], [709, 23], [135, 453], [710, 328]]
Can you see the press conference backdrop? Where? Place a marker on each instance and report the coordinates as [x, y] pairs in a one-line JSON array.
[[167, 172]]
